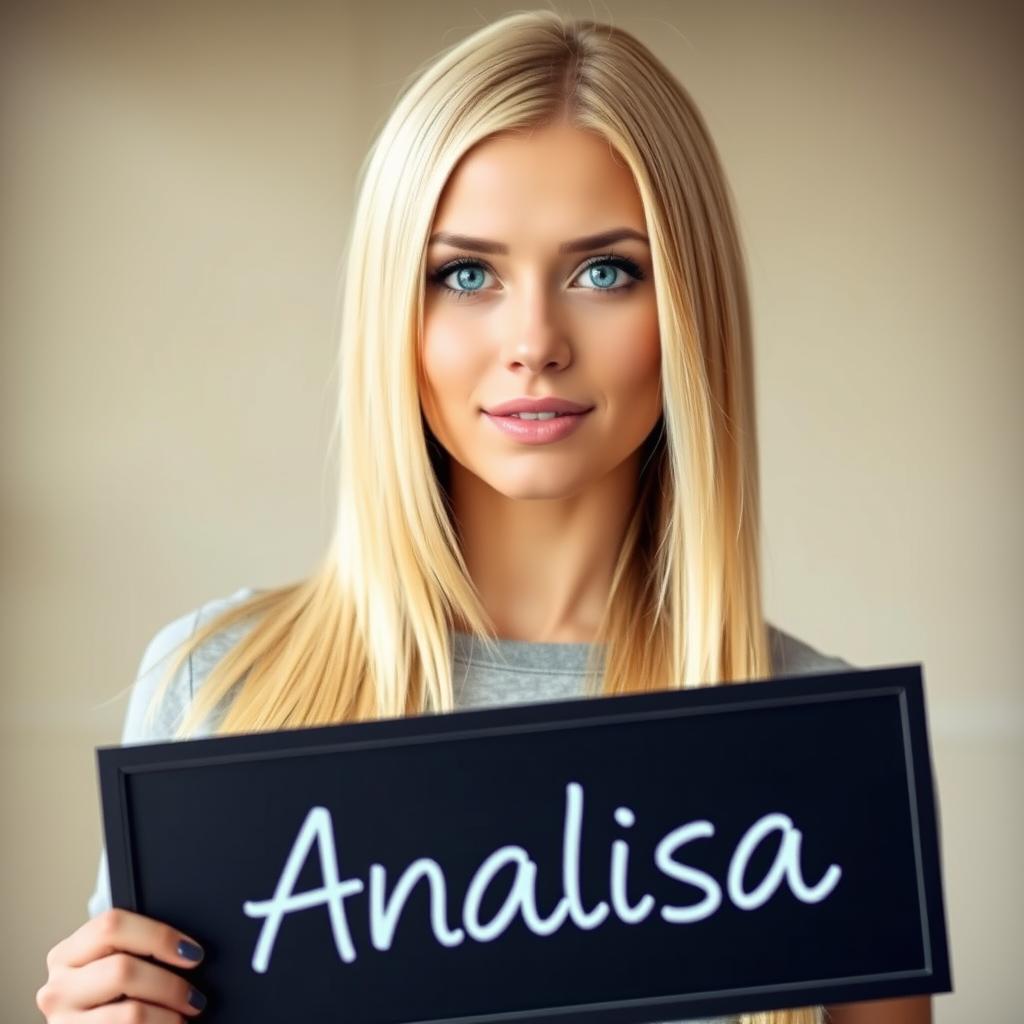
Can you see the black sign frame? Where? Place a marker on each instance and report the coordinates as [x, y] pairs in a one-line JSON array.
[[897, 693]]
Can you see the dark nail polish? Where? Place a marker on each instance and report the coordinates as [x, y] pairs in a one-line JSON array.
[[196, 998], [189, 950]]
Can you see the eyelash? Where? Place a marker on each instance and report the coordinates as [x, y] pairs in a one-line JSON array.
[[621, 262]]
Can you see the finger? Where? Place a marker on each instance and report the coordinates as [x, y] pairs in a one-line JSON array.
[[131, 1011], [124, 931], [121, 974]]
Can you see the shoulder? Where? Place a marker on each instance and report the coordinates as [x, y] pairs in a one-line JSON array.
[[160, 651], [792, 656]]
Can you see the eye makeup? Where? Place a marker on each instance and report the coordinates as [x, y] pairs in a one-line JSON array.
[[437, 278]]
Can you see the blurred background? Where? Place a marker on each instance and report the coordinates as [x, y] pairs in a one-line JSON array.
[[176, 182]]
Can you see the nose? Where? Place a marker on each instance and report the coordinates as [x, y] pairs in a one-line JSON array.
[[535, 338]]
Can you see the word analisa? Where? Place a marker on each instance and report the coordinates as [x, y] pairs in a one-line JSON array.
[[385, 910]]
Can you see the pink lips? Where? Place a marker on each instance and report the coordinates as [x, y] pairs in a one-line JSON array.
[[570, 415], [538, 431]]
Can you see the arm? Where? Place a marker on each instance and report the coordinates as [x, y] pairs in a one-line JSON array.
[[908, 1010], [137, 730]]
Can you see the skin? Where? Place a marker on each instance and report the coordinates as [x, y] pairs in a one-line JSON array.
[[537, 328], [101, 962]]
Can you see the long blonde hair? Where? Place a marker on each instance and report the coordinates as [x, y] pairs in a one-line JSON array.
[[367, 634]]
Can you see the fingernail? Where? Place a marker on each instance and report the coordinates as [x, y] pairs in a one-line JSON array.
[[189, 950], [196, 998]]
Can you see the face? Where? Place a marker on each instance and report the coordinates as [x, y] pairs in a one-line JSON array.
[[528, 304]]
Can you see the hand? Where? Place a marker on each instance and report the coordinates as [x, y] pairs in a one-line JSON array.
[[97, 974]]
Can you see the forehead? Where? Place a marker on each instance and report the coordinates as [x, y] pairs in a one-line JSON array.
[[555, 179]]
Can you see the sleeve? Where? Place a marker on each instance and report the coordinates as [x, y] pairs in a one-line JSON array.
[[166, 718]]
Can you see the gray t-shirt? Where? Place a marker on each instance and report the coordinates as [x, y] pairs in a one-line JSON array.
[[520, 672]]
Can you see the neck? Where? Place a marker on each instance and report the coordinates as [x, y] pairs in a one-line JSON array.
[[543, 566]]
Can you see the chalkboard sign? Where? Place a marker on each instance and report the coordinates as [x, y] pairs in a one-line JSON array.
[[646, 857]]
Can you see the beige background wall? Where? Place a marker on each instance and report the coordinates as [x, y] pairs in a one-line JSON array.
[[175, 184]]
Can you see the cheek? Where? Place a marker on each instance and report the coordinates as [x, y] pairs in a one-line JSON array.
[[450, 366], [631, 360]]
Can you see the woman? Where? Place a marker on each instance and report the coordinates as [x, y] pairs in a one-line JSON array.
[[543, 228]]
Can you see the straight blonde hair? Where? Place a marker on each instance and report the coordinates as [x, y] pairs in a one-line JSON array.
[[367, 634]]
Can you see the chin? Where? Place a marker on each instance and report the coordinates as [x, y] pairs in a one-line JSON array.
[[540, 488]]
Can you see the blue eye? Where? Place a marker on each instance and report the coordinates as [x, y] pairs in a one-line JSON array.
[[601, 270], [468, 276]]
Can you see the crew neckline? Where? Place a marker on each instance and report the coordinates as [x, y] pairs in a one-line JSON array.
[[467, 647]]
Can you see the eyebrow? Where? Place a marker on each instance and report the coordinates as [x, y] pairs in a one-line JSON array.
[[576, 245]]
